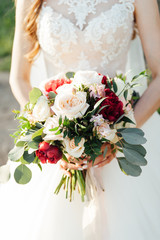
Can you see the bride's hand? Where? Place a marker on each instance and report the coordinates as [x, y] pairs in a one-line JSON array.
[[100, 161]]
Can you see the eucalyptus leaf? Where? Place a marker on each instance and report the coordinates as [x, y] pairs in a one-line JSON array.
[[138, 148], [70, 75], [133, 130], [20, 144], [52, 95], [16, 153], [37, 133], [129, 168], [22, 174], [33, 145], [105, 151], [34, 94], [134, 157], [29, 158], [132, 138]]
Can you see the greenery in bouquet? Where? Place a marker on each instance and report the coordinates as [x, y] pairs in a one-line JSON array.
[[75, 114]]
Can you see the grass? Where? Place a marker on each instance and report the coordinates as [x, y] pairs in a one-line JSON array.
[[7, 21]]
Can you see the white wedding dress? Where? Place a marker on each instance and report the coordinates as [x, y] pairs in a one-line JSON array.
[[87, 35]]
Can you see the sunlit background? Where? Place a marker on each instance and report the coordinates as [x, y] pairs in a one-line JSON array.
[[7, 101]]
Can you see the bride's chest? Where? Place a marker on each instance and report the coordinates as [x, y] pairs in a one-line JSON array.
[[99, 23]]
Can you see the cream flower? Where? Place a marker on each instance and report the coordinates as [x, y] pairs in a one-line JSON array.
[[72, 149], [41, 110], [121, 85], [104, 131], [69, 103], [51, 123], [87, 78]]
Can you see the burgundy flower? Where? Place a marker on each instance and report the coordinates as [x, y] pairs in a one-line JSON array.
[[114, 107], [49, 153]]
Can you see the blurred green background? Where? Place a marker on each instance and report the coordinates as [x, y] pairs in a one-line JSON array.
[[7, 21]]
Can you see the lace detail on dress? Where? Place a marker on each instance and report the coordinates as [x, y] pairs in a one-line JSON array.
[[101, 45], [109, 23], [55, 33], [83, 62], [81, 9]]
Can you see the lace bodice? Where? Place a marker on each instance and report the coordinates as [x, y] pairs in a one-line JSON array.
[[85, 34]]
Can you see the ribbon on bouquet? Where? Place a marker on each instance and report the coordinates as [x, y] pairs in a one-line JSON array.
[[94, 215]]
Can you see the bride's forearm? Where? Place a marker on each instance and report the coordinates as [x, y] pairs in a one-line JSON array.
[[148, 103], [20, 91]]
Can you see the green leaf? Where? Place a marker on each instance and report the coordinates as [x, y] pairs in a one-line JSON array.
[[37, 133], [99, 103], [54, 129], [138, 148], [40, 167], [134, 157], [134, 139], [105, 151], [77, 140], [70, 75], [33, 144], [52, 95], [64, 133], [129, 168], [114, 86], [34, 94], [22, 174], [64, 157], [126, 119], [20, 144], [59, 132], [60, 120], [29, 158], [125, 94], [109, 84], [132, 130], [16, 153]]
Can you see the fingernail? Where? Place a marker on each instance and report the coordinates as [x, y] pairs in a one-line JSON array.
[[85, 166], [80, 169], [96, 166], [85, 162]]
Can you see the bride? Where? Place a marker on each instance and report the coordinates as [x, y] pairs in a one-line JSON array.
[[71, 35]]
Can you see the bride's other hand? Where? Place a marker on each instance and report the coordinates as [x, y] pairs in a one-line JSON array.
[[148, 23], [84, 164]]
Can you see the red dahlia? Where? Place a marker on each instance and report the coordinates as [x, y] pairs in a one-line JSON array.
[[114, 107]]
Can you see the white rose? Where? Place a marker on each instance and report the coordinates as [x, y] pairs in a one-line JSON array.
[[41, 110], [87, 78], [120, 86], [75, 151], [70, 103], [56, 77], [104, 131], [50, 123]]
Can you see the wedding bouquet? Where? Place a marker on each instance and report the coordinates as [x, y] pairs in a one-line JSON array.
[[75, 114]]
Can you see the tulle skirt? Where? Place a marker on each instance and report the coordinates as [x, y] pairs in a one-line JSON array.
[[127, 209]]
